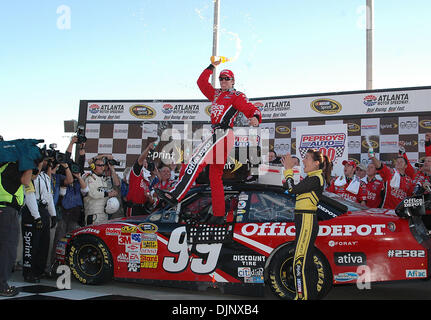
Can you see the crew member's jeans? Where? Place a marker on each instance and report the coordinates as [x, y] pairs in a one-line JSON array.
[[9, 230]]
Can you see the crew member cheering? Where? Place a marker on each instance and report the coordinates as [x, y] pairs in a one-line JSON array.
[[307, 192], [226, 104], [397, 184]]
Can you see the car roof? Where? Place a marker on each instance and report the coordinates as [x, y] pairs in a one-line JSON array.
[[232, 186]]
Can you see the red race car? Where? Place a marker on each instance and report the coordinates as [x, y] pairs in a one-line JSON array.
[[175, 247]]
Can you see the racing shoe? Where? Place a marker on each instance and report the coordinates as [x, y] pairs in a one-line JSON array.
[[9, 292], [216, 220], [166, 196]]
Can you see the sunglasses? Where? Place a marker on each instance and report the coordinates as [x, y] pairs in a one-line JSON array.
[[225, 78], [99, 165]]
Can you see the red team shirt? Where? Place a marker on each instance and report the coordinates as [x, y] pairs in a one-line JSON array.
[[138, 188], [341, 190], [393, 196], [374, 190]]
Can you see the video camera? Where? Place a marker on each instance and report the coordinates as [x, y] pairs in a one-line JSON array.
[[54, 155], [80, 133], [112, 162]]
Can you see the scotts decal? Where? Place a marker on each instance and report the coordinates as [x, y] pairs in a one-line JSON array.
[[326, 106], [281, 229], [142, 111]]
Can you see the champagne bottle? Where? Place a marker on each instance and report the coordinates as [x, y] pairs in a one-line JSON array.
[[219, 58]]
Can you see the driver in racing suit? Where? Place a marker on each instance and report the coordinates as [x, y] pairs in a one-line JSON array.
[[100, 190], [308, 193], [226, 104]]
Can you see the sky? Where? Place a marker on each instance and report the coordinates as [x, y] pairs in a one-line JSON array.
[[55, 53]]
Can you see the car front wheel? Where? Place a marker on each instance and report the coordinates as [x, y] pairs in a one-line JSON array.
[[281, 279], [90, 260]]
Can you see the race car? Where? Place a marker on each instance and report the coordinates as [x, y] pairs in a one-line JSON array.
[[255, 248]]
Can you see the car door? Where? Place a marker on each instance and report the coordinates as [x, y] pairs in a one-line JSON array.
[[265, 219]]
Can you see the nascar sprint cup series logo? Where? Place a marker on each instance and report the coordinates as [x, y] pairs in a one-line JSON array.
[[330, 144]]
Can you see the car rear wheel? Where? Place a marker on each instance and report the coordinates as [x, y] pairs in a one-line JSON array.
[[281, 279], [90, 260]]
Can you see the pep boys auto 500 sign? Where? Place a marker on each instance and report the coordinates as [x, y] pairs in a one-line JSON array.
[[330, 140]]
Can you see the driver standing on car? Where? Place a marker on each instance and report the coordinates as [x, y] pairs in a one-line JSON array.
[[227, 103], [308, 193]]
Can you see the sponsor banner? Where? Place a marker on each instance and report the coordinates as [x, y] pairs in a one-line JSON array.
[[147, 111], [330, 140], [277, 108], [124, 129]]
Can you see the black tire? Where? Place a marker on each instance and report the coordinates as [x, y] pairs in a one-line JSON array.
[[281, 278], [90, 260]]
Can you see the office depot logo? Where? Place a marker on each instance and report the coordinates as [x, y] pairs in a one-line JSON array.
[[282, 229]]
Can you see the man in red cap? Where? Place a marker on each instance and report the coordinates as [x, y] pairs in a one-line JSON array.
[[348, 185], [226, 104]]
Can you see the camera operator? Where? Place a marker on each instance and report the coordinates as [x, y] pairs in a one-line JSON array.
[[58, 169], [38, 216], [12, 182], [139, 200], [102, 183], [70, 203]]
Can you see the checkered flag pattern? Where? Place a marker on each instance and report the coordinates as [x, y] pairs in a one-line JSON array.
[[125, 141]]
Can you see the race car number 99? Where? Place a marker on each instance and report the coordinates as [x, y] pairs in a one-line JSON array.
[[178, 244]]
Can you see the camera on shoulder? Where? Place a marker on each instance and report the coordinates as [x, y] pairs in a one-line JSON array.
[[55, 155], [80, 134]]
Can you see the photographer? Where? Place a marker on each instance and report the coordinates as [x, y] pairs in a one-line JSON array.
[[139, 201], [101, 182], [71, 202], [38, 216], [58, 169]]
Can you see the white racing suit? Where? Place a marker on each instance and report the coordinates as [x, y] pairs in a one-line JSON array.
[[95, 201]]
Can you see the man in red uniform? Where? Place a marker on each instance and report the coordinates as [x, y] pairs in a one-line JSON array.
[[375, 188], [422, 176], [398, 185], [349, 186], [138, 197], [226, 104]]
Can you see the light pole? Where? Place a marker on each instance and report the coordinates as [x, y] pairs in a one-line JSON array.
[[370, 35], [215, 35]]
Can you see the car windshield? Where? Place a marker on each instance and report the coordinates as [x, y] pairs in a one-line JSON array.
[[261, 206], [267, 206]]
